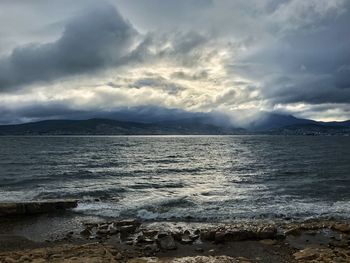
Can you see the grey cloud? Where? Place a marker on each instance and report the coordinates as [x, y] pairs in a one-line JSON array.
[[308, 67], [182, 47], [93, 40], [160, 83], [188, 76]]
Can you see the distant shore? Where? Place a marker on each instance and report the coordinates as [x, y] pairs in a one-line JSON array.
[[63, 236]]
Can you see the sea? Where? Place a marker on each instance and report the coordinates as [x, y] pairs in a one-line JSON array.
[[182, 178]]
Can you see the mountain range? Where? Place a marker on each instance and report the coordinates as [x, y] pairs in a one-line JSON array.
[[267, 123]]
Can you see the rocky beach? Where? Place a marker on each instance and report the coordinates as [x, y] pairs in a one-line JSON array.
[[59, 235]]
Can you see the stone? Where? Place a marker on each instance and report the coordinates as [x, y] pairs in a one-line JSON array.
[[127, 230], [9, 260], [345, 228], [166, 242], [220, 236], [268, 242], [306, 254], [267, 232], [150, 250], [207, 235], [238, 234], [35, 207], [186, 240], [177, 235], [119, 256], [127, 222], [150, 233], [296, 231]]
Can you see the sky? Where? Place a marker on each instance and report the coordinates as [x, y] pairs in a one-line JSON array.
[[86, 58]]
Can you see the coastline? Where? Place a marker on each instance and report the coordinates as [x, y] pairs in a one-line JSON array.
[[64, 236]]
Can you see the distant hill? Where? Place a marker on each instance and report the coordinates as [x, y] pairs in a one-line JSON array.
[[113, 127], [199, 124], [269, 121]]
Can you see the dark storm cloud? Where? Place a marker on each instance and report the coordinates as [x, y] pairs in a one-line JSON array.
[[309, 65], [182, 47], [96, 39]]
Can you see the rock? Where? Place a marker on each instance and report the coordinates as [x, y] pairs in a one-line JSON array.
[[150, 233], [86, 232], [9, 260], [142, 239], [220, 236], [269, 242], [211, 251], [186, 240], [177, 235], [166, 242], [11, 209], [119, 256], [162, 234], [306, 254], [102, 232], [35, 207], [199, 249], [127, 222], [267, 232], [25, 258], [127, 230], [243, 260], [296, 231], [345, 228], [207, 235], [150, 250], [238, 234]]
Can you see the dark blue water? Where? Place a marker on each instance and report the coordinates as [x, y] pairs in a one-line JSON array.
[[181, 177]]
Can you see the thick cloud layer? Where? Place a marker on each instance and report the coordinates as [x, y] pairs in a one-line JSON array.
[[235, 57], [93, 40]]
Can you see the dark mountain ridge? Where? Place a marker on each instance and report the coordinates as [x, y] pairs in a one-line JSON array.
[[112, 127], [198, 125]]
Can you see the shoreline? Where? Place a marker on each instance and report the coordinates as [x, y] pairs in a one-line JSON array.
[[64, 236]]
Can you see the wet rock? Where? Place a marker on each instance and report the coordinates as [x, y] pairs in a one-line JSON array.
[[127, 230], [243, 260], [150, 250], [186, 239], [127, 222], [102, 232], [306, 254], [177, 235], [269, 242], [240, 234], [142, 239], [207, 235], [103, 226], [220, 236], [35, 207], [296, 231], [166, 242], [267, 232], [150, 233], [345, 228]]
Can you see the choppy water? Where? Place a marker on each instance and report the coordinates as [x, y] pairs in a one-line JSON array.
[[182, 177]]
